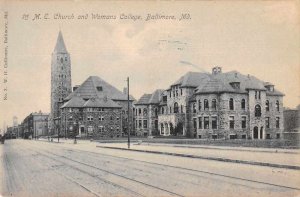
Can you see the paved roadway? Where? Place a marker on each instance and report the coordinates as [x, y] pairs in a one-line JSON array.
[[37, 168]]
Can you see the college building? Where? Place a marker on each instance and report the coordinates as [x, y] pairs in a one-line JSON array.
[[96, 109], [213, 106]]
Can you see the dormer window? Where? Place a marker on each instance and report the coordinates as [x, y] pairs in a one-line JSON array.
[[235, 85], [99, 88], [269, 86], [165, 98]]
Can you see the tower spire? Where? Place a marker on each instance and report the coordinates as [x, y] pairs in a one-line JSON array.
[[60, 46]]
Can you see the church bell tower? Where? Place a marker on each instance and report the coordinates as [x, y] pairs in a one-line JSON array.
[[60, 81]]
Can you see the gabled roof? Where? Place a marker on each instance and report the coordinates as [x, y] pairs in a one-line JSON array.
[[156, 97], [95, 87], [60, 46], [144, 100], [75, 101], [153, 98], [104, 102], [191, 79]]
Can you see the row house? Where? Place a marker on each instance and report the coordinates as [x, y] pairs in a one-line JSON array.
[[34, 125]]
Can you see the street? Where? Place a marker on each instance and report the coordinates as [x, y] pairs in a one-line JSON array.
[[41, 168]]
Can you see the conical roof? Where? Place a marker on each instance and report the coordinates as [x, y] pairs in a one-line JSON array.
[[60, 46]]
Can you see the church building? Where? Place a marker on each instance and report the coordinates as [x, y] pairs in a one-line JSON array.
[[93, 109], [61, 85]]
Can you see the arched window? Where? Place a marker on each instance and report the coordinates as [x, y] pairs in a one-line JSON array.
[[257, 111], [156, 113], [61, 60], [214, 104], [194, 107], [145, 111], [231, 104], [243, 104], [175, 107], [206, 105], [267, 105], [162, 110], [277, 105], [199, 105]]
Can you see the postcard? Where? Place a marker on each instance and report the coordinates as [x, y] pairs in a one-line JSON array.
[[149, 98]]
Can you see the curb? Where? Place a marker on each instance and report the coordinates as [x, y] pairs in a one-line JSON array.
[[218, 148], [209, 158]]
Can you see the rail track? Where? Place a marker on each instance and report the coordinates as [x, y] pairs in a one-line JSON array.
[[80, 163], [185, 170]]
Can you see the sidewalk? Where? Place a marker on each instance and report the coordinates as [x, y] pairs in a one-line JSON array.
[[289, 159]]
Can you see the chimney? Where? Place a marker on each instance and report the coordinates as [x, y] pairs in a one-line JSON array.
[[216, 70]]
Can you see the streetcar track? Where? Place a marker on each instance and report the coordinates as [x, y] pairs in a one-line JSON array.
[[182, 168], [84, 172], [109, 172], [76, 182], [159, 167], [193, 170]]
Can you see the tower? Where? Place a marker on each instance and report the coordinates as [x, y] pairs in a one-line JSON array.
[[60, 81], [15, 121]]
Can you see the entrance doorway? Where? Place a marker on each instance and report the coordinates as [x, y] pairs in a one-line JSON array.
[[255, 133], [261, 132]]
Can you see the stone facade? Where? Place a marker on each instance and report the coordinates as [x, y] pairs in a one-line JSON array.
[[92, 122], [60, 81], [220, 106], [96, 109], [146, 114]]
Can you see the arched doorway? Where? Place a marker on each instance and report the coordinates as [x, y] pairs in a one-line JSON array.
[[255, 133], [162, 130], [261, 132], [171, 129], [167, 131]]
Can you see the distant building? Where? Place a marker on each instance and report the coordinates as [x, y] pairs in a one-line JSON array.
[[95, 109], [35, 125], [15, 121], [220, 106]]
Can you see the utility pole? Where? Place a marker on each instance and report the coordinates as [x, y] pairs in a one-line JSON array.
[[34, 128], [65, 126], [128, 129]]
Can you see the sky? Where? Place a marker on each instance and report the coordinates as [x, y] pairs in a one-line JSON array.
[[260, 38]]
